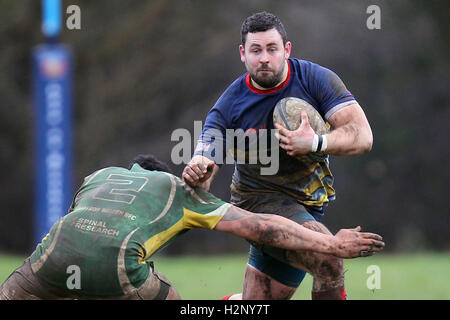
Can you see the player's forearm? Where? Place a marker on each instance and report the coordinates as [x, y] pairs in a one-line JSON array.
[[280, 232], [275, 231], [349, 139], [284, 233]]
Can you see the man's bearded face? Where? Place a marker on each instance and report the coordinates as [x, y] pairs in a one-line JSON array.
[[264, 56]]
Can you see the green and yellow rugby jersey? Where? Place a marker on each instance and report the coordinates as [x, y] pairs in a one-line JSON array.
[[118, 219]]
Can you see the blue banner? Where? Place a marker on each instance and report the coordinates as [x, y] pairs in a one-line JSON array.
[[51, 18], [52, 94]]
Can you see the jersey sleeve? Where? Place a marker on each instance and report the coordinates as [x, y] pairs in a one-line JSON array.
[[202, 209], [212, 142], [328, 90]]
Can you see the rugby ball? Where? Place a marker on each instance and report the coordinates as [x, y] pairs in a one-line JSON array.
[[287, 113]]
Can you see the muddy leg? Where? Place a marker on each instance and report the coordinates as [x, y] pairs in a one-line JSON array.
[[327, 270], [259, 286]]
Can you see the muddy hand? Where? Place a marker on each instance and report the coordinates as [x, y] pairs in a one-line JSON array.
[[352, 243], [197, 171], [299, 141]]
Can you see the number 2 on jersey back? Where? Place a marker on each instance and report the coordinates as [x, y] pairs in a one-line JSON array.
[[121, 188]]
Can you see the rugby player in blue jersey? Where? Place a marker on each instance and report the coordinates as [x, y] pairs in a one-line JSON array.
[[303, 185]]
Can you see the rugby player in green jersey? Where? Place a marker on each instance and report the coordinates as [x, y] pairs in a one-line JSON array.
[[120, 217]]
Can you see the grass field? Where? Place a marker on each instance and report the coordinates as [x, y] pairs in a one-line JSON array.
[[403, 276]]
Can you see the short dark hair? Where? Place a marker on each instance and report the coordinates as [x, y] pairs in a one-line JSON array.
[[262, 21], [150, 162]]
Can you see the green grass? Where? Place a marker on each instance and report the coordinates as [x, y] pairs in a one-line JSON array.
[[403, 276]]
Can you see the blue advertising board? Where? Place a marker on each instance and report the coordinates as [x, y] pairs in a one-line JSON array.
[[52, 97]]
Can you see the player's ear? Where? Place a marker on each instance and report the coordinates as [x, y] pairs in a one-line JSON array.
[[287, 49], [242, 53]]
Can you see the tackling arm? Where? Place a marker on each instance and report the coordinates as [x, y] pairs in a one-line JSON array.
[[280, 232]]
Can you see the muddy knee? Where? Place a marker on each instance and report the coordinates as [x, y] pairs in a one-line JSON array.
[[329, 268], [322, 266]]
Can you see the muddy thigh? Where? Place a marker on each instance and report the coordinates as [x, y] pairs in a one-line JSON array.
[[259, 286]]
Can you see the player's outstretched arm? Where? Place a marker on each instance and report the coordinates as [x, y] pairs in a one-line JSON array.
[[280, 232]]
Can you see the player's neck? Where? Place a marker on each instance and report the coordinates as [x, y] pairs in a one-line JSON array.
[[283, 78]]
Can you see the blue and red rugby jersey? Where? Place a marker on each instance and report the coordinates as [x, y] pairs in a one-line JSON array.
[[242, 106]]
